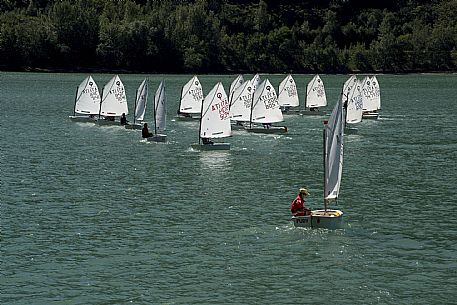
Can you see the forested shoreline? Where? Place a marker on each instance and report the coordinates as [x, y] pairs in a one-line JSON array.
[[207, 36]]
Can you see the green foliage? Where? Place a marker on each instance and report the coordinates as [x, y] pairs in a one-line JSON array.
[[237, 36]]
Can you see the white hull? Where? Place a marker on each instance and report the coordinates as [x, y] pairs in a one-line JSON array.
[[370, 115], [271, 130], [290, 110], [237, 127], [158, 138], [103, 122], [314, 112], [135, 126], [192, 117], [329, 219], [215, 146], [82, 119]]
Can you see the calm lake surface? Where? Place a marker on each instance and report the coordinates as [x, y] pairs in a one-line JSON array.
[[95, 215]]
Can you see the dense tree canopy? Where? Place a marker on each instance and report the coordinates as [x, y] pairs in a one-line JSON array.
[[204, 36]]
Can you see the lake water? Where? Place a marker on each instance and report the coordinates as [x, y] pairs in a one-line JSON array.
[[95, 215]]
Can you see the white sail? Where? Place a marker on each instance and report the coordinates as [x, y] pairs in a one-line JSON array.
[[87, 97], [288, 95], [370, 94], [265, 106], [315, 93], [160, 111], [255, 81], [215, 121], [141, 100], [377, 92], [333, 152], [240, 107], [352, 99], [191, 96], [237, 82], [114, 101]]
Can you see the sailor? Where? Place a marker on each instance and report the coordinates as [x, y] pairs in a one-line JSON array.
[[297, 207], [145, 131], [123, 119], [207, 141]]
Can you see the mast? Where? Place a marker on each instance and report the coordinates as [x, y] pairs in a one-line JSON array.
[[200, 126], [155, 110], [325, 161], [134, 112], [101, 101], [76, 99], [252, 106], [180, 100]]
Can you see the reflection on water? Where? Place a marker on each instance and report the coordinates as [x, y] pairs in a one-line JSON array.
[[216, 160]]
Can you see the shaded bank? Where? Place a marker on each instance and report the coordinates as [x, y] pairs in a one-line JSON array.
[[206, 36]]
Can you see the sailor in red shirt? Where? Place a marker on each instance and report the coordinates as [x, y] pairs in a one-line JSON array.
[[298, 205]]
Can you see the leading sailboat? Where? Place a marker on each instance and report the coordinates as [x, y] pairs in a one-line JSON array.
[[215, 120], [333, 168], [87, 101]]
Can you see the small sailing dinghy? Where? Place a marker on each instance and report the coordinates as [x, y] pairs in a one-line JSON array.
[[288, 95], [333, 168], [237, 82], [240, 106], [353, 103], [265, 110], [215, 120], [87, 101], [191, 100], [315, 97], [371, 98], [113, 103], [141, 100], [160, 100]]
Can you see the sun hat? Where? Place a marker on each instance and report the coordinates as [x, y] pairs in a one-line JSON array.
[[304, 191]]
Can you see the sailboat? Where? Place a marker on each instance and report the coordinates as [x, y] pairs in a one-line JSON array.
[[191, 100], [87, 101], [352, 101], [113, 103], [141, 100], [160, 100], [371, 98], [255, 81], [265, 110], [237, 82], [214, 121], [333, 168], [240, 106], [288, 95], [315, 97]]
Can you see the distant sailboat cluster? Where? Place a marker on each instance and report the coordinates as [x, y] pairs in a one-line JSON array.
[[252, 105], [110, 107]]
